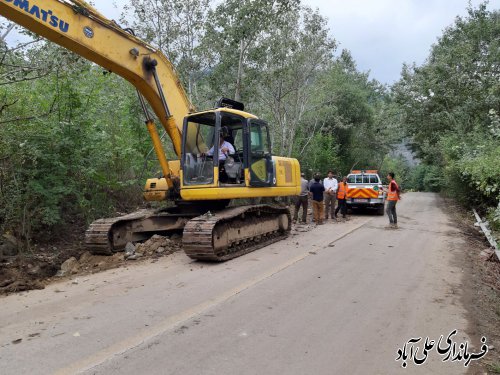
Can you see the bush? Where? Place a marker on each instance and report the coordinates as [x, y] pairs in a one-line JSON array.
[[424, 177], [399, 166]]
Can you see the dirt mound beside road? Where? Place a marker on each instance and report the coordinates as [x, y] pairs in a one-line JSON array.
[[41, 267], [158, 246], [22, 273]]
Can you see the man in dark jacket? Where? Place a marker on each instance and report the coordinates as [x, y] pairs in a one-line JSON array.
[[302, 200], [316, 191]]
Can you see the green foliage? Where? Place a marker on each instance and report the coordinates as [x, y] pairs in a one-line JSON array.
[[433, 179], [451, 106], [357, 113], [323, 156], [277, 57], [425, 177], [422, 177], [233, 42], [288, 93], [69, 152], [399, 166], [175, 27]]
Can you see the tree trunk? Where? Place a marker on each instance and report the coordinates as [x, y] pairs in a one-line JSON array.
[[237, 94]]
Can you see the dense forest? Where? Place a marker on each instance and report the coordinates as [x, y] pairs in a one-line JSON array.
[[73, 146]]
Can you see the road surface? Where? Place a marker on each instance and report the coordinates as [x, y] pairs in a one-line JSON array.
[[341, 298]]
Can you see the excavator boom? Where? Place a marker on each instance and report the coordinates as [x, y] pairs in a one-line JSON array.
[[78, 27]]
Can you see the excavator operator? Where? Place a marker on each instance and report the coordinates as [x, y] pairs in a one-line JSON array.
[[225, 149]]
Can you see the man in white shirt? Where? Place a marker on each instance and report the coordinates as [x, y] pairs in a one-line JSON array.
[[225, 149], [331, 186]]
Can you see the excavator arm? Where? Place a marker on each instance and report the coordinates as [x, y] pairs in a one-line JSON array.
[[80, 28]]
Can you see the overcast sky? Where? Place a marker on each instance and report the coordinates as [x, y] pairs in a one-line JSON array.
[[381, 34]]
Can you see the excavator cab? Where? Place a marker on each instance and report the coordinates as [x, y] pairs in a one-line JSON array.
[[226, 148]]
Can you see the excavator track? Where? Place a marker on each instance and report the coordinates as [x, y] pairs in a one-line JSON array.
[[233, 232], [107, 236]]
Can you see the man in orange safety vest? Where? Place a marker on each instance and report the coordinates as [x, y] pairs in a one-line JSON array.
[[342, 190], [393, 195]]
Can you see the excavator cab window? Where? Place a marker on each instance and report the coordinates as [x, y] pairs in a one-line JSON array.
[[231, 169], [198, 139], [249, 139], [259, 154]]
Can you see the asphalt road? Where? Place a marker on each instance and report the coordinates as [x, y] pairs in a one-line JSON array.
[[341, 298]]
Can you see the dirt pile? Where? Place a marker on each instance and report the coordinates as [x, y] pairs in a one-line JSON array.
[[25, 271], [28, 266], [88, 263], [157, 246]]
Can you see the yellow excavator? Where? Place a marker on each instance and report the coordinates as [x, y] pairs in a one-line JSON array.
[[223, 153]]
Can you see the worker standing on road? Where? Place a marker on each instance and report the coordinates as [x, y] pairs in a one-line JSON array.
[[331, 186], [302, 200], [393, 195], [316, 191], [342, 190], [311, 181]]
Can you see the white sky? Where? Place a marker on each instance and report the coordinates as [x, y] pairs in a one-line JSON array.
[[381, 34]]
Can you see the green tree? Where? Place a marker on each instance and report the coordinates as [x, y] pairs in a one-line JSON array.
[[69, 151], [287, 88], [451, 105], [176, 27], [234, 31]]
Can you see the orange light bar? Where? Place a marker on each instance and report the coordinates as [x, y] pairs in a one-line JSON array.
[[358, 171]]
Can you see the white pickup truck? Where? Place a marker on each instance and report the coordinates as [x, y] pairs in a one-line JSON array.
[[365, 190]]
